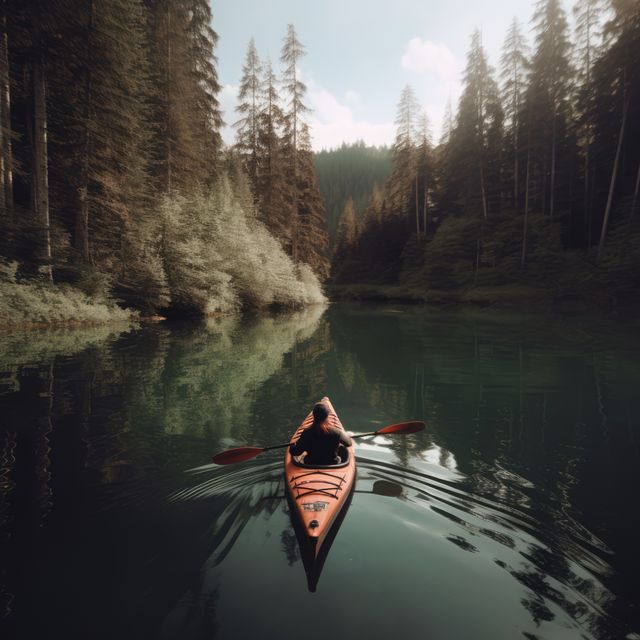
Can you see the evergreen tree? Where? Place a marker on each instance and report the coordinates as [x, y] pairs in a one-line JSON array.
[[548, 106], [249, 107], [295, 108], [313, 239], [616, 113], [401, 185], [347, 231], [588, 29], [186, 104], [425, 175], [272, 188], [514, 67], [471, 180]]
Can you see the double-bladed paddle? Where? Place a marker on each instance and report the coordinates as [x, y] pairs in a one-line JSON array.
[[241, 454]]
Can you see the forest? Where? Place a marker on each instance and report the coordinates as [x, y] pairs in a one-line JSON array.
[[350, 171], [117, 195], [533, 187]]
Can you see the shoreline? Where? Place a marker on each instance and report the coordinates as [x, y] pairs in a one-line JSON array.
[[521, 298]]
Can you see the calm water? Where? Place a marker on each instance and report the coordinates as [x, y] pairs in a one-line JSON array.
[[514, 515]]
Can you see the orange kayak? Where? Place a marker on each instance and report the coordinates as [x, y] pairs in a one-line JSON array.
[[319, 493]]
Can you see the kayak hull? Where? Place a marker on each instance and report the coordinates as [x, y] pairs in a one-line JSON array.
[[318, 494]]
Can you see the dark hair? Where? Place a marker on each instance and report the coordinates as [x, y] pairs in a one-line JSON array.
[[320, 415]]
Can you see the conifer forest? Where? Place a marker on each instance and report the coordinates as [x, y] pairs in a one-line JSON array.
[[118, 195]]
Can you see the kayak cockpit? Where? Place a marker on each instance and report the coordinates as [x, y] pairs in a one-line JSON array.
[[343, 452]]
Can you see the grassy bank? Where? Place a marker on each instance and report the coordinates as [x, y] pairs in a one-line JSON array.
[[37, 305]]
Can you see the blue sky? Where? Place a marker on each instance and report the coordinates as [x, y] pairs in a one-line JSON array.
[[361, 53]]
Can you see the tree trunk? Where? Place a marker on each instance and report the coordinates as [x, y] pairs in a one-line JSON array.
[[634, 201], [424, 208], [523, 257], [484, 195], [417, 209], [515, 167], [552, 186], [6, 151], [169, 159], [82, 215], [612, 184], [40, 151]]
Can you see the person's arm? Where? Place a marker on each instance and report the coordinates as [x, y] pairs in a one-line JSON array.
[[345, 438], [298, 447]]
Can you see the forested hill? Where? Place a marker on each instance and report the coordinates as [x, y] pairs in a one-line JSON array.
[[350, 171]]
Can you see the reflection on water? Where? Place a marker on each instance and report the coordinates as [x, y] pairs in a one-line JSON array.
[[513, 515]]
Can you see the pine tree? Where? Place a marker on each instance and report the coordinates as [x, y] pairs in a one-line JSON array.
[[588, 14], [617, 112], [549, 107], [186, 105], [272, 188], [249, 108], [472, 157], [425, 173], [401, 185], [313, 236], [347, 231], [295, 108], [514, 66]]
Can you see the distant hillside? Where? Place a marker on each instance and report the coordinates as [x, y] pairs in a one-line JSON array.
[[350, 171]]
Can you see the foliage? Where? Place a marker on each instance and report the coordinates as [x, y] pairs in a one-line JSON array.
[[40, 302], [218, 257]]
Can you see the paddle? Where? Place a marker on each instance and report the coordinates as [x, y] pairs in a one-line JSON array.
[[241, 454]]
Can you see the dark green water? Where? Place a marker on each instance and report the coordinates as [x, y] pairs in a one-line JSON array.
[[516, 513]]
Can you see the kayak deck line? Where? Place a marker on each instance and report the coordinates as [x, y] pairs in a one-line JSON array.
[[325, 490]]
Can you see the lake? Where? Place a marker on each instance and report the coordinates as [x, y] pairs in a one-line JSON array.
[[513, 515]]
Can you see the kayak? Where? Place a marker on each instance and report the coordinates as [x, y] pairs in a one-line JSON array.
[[319, 493]]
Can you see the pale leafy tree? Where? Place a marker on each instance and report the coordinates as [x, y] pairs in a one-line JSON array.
[[514, 75], [249, 108]]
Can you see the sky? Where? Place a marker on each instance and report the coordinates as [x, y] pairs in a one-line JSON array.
[[360, 55]]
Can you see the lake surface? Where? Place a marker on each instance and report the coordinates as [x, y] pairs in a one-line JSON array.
[[515, 513]]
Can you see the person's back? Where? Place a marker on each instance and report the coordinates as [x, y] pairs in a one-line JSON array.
[[321, 440]]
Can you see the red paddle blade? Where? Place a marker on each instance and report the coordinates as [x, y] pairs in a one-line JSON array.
[[231, 456], [403, 427]]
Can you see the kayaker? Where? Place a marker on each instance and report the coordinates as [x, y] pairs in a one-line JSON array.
[[321, 440]]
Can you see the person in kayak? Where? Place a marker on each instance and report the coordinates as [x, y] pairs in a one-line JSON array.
[[321, 440]]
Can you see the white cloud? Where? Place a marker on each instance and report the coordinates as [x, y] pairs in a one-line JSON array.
[[423, 55], [352, 96], [333, 123]]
